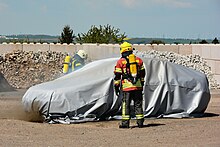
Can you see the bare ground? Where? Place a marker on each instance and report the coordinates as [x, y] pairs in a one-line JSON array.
[[17, 130]]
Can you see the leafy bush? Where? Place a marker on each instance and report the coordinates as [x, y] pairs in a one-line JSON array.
[[102, 34]]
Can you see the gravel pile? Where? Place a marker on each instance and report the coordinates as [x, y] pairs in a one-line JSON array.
[[192, 61], [25, 69]]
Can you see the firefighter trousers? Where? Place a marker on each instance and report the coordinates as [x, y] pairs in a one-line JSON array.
[[136, 96]]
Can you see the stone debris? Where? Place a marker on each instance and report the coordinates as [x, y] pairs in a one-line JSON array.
[[192, 61], [24, 69]]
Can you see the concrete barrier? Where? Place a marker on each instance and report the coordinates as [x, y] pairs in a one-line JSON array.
[[172, 48], [7, 48], [210, 52], [35, 47], [185, 49]]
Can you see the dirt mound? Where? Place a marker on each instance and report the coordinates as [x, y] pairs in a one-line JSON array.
[[4, 85]]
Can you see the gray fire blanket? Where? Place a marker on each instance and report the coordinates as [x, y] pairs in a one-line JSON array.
[[87, 94]]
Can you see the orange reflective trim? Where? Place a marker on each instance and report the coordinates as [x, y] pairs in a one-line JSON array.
[[132, 88]]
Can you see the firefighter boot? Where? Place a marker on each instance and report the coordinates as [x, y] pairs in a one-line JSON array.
[[140, 123], [124, 124]]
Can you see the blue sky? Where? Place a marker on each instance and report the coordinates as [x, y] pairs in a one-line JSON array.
[[137, 18]]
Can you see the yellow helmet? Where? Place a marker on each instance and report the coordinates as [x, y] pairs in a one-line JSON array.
[[125, 47], [82, 54]]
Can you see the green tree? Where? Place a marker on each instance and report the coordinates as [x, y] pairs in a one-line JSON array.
[[67, 35], [157, 42], [203, 42], [215, 41], [102, 34]]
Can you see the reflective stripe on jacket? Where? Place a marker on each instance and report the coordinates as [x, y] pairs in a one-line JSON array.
[[76, 65]]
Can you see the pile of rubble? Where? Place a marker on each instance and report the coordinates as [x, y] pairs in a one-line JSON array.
[[25, 69], [192, 61]]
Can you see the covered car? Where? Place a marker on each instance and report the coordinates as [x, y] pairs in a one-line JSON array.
[[87, 94]]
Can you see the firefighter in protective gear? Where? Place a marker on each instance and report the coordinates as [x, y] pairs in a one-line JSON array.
[[74, 63], [129, 79]]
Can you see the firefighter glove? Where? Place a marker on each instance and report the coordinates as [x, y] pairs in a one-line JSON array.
[[117, 90]]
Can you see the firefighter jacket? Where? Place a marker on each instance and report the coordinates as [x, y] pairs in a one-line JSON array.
[[123, 77], [77, 62]]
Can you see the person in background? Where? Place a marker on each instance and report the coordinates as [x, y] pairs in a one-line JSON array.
[[74, 63], [129, 79]]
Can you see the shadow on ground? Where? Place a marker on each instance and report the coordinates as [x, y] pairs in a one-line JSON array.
[[148, 125], [204, 115]]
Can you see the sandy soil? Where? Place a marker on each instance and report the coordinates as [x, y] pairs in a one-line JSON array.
[[17, 130]]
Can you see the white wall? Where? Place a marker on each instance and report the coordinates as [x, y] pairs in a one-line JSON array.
[[210, 52]]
